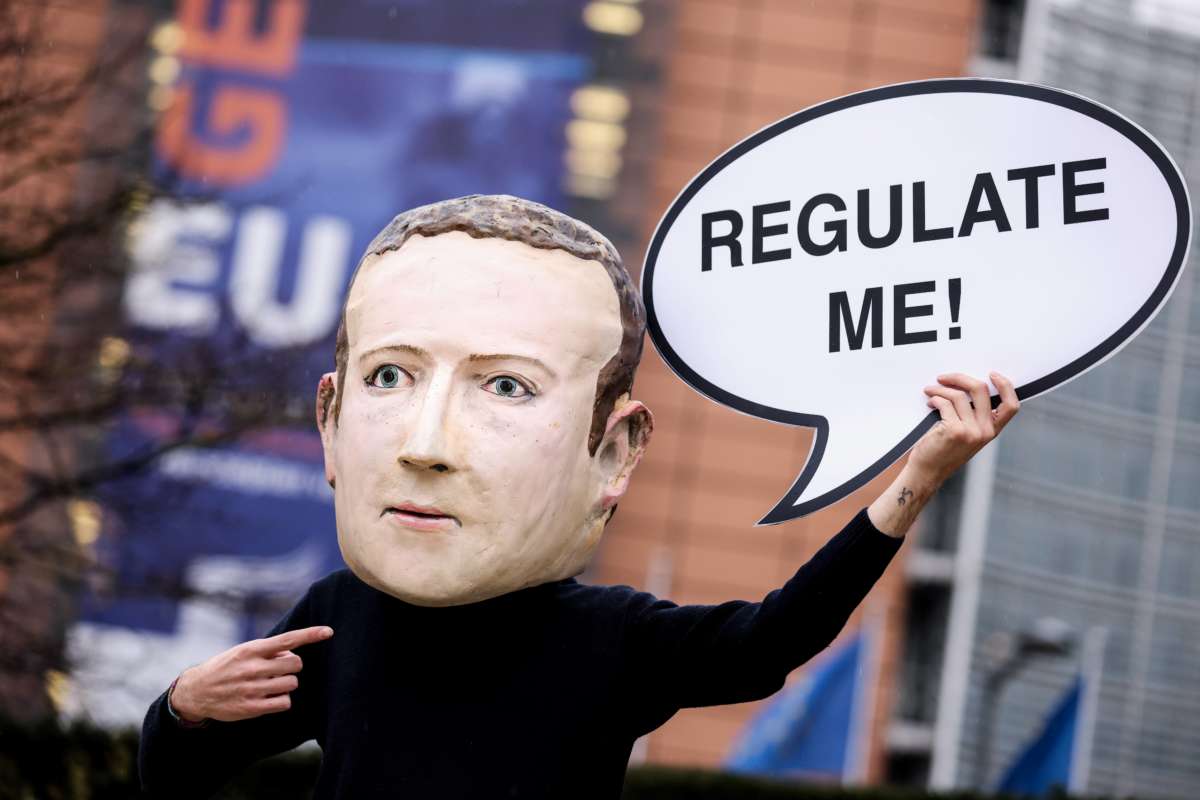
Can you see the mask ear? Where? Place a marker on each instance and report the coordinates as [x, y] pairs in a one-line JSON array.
[[626, 435], [326, 391]]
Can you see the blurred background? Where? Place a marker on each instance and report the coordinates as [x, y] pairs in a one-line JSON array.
[[186, 186]]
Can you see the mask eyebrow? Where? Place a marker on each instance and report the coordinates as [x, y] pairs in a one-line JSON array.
[[392, 348], [511, 357]]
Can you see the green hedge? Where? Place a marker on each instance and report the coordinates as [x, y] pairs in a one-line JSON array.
[[669, 783], [80, 762]]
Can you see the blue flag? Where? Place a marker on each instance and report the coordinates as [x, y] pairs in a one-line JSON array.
[[807, 731], [1046, 761]]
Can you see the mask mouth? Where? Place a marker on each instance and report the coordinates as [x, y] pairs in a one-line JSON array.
[[421, 516]]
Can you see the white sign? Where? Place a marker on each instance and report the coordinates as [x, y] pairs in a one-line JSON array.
[[825, 269]]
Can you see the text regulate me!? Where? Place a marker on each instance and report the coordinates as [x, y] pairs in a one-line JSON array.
[[825, 269]]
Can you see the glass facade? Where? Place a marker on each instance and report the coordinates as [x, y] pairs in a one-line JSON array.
[[1095, 510]]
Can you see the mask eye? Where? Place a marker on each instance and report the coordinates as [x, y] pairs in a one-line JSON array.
[[389, 376], [507, 386]]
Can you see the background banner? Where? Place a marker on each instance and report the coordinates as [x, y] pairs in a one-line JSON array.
[[290, 141]]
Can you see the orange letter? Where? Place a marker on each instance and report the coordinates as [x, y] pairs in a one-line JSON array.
[[258, 116], [234, 44]]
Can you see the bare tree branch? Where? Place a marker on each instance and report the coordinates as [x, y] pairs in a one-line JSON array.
[[71, 183]]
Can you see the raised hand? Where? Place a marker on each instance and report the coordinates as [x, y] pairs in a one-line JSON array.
[[249, 680], [968, 422]]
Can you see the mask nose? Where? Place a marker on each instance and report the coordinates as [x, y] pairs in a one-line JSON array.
[[426, 446]]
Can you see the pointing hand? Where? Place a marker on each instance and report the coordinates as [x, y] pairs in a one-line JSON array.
[[249, 680]]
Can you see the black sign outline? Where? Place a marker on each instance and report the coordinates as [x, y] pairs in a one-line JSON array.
[[785, 510]]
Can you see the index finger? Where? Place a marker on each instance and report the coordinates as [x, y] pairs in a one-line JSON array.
[[290, 639]]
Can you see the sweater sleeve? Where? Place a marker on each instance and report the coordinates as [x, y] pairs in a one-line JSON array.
[[687, 656], [179, 762]]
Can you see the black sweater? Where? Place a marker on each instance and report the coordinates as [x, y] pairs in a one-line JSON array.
[[539, 693]]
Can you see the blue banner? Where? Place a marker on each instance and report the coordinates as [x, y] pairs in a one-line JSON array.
[[287, 144]]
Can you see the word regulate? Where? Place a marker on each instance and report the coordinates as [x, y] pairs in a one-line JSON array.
[[768, 225]]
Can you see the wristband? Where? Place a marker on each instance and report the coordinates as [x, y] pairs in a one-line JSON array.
[[183, 723]]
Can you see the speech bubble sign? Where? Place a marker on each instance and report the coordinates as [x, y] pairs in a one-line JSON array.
[[825, 269]]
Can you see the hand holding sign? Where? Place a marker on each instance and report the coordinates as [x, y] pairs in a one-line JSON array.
[[821, 271], [968, 422]]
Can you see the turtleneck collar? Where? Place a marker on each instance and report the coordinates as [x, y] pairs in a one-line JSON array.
[[520, 598]]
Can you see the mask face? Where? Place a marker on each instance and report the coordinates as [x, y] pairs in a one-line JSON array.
[[460, 455]]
